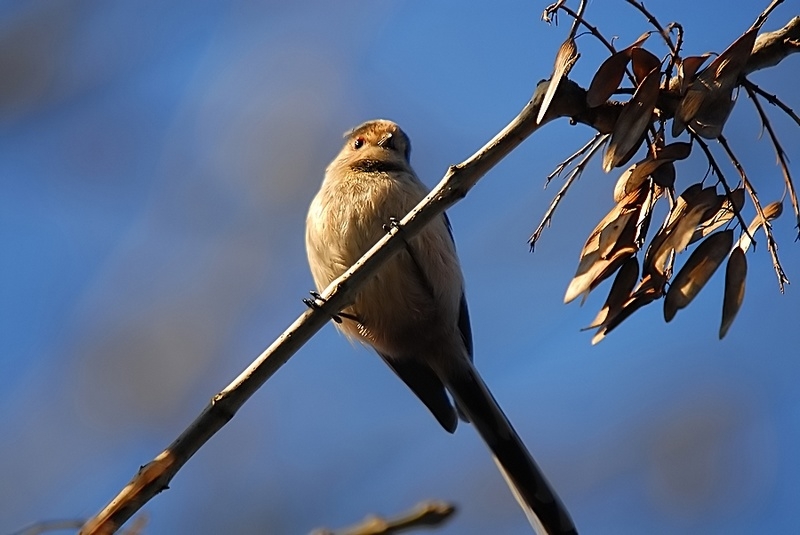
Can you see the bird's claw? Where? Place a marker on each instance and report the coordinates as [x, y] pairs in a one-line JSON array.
[[314, 304], [393, 223]]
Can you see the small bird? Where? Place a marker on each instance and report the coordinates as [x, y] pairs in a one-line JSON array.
[[413, 312]]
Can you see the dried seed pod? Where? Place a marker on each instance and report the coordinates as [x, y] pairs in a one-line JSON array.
[[565, 59], [643, 62], [710, 119], [735, 275], [690, 209], [696, 272], [609, 244], [633, 120], [620, 292], [664, 176], [721, 216], [687, 69], [650, 288], [608, 77], [708, 98], [771, 211], [633, 177]]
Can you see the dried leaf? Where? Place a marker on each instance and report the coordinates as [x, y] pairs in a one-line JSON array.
[[724, 71], [679, 150], [635, 175], [687, 69], [696, 272], [633, 120], [712, 90], [643, 62], [771, 211], [735, 275], [711, 118], [629, 308], [620, 292], [664, 176], [721, 216], [608, 77], [593, 270], [611, 233], [565, 59], [690, 209], [650, 288], [607, 246]]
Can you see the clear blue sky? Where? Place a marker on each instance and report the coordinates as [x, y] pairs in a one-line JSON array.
[[156, 162]]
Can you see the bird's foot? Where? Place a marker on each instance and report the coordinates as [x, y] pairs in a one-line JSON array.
[[318, 302], [393, 223]]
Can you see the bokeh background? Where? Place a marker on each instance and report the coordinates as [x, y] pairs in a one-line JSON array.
[[156, 162]]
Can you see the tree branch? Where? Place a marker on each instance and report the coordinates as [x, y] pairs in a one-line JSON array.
[[425, 514], [155, 476], [771, 48], [569, 101]]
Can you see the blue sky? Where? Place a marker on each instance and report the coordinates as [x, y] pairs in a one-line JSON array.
[[156, 162]]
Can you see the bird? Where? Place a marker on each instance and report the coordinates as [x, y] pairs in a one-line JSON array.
[[413, 312]]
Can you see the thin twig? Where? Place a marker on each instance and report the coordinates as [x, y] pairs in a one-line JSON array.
[[46, 526], [762, 18], [674, 48], [780, 153], [712, 161], [577, 17], [772, 99], [598, 142], [425, 514], [657, 25], [673, 57], [577, 154], [772, 246], [573, 31]]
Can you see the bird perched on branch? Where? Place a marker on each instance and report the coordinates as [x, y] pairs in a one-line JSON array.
[[413, 312]]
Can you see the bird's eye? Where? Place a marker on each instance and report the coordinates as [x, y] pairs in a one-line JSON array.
[[358, 143]]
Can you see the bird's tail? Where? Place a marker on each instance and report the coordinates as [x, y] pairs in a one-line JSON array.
[[541, 504]]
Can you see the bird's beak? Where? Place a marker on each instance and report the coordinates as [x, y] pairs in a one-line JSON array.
[[385, 139]]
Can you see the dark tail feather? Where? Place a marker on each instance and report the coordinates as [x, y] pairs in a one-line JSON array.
[[541, 504]]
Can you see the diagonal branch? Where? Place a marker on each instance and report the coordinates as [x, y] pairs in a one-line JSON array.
[[155, 476], [569, 101], [423, 515], [771, 48], [762, 18]]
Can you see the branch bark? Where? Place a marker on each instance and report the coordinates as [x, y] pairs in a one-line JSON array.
[[155, 476], [569, 101]]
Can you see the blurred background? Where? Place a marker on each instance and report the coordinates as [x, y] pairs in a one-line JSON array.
[[157, 160]]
